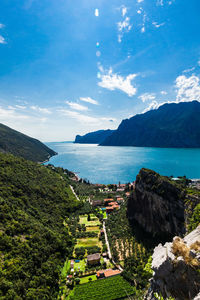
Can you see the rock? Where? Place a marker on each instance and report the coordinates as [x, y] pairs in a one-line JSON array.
[[176, 276], [157, 205]]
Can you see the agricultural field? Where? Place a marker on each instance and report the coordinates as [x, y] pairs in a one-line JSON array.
[[88, 242], [86, 279], [94, 221], [104, 289]]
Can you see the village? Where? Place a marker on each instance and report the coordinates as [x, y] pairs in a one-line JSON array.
[[92, 258]]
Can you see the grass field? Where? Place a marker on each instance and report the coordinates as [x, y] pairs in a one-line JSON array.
[[80, 266], [86, 279], [105, 289], [88, 242], [93, 222], [92, 228]]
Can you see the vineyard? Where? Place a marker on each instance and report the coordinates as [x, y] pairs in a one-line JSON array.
[[104, 289]]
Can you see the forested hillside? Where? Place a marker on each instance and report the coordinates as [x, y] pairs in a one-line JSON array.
[[34, 200], [22, 145]]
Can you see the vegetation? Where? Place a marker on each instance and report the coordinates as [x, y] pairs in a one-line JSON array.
[[105, 289], [132, 254], [33, 241], [22, 145]]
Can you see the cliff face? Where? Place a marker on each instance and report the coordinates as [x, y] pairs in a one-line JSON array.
[[157, 205], [176, 268]]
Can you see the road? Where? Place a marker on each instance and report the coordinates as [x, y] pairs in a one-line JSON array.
[[74, 193], [108, 247]]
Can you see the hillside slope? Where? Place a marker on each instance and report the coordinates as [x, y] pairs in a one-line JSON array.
[[96, 137], [22, 145], [171, 125], [34, 201]]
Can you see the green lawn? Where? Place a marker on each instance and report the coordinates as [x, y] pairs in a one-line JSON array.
[[88, 242], [80, 266], [93, 228], [93, 222], [86, 279], [105, 289]]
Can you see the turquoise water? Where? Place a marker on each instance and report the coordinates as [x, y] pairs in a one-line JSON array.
[[114, 164]]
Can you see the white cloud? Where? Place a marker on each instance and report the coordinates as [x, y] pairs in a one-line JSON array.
[[85, 119], [189, 70], [155, 24], [147, 96], [139, 11], [10, 114], [77, 106], [113, 81], [160, 2], [153, 105], [40, 109], [96, 12], [2, 40], [163, 93], [124, 11], [139, 1], [20, 106], [123, 27], [89, 100], [143, 29], [188, 89]]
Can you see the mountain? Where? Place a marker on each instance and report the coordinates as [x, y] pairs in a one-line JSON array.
[[34, 243], [96, 137], [22, 145], [171, 125]]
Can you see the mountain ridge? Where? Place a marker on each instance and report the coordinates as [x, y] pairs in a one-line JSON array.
[[19, 144], [171, 125]]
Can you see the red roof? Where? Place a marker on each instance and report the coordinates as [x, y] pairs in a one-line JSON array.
[[111, 272], [109, 199]]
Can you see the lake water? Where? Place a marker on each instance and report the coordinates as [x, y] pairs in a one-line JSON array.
[[106, 165]]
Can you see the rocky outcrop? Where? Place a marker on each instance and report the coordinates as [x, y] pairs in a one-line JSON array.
[[157, 205], [176, 268], [95, 137]]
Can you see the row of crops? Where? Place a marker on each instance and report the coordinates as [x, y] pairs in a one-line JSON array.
[[103, 289]]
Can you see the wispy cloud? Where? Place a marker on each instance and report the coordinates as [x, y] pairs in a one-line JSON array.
[[189, 70], [96, 12], [10, 114], [113, 81], [77, 106], [40, 109], [155, 24], [124, 10], [153, 105], [188, 88], [139, 1], [2, 40], [123, 26], [89, 100], [163, 93], [147, 97], [1, 25], [85, 119]]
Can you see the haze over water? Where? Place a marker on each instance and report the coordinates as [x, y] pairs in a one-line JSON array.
[[106, 165]]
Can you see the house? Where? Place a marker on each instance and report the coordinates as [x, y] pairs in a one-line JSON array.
[[107, 273], [120, 199], [93, 259], [96, 203], [109, 209], [112, 203], [108, 200]]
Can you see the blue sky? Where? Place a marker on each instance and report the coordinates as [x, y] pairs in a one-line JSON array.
[[70, 67]]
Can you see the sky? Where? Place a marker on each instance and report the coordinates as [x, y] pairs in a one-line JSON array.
[[72, 67]]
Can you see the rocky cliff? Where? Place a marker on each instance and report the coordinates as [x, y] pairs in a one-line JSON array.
[[176, 268], [157, 205], [95, 137]]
